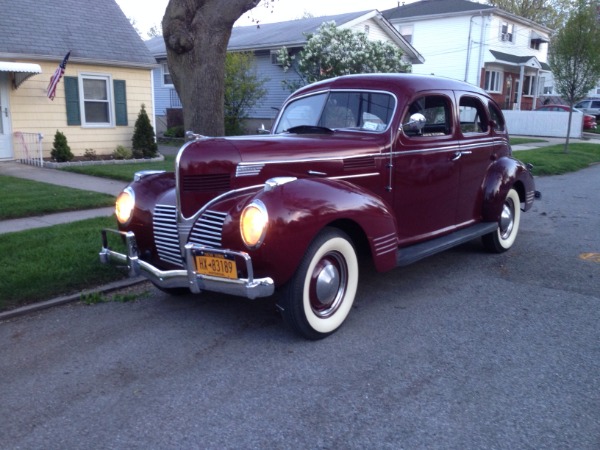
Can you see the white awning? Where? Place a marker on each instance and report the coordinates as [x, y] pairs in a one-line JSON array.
[[20, 71]]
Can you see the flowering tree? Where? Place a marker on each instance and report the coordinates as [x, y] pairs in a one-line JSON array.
[[334, 51]]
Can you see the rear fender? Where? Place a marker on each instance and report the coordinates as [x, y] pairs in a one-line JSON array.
[[506, 173], [300, 209]]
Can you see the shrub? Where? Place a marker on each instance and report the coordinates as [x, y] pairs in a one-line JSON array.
[[90, 154], [175, 132], [61, 152], [144, 143], [122, 152]]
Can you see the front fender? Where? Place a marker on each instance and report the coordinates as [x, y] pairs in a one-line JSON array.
[[504, 174], [300, 209]]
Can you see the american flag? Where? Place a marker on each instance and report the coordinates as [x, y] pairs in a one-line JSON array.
[[58, 73]]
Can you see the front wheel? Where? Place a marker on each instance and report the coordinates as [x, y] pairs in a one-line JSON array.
[[508, 226], [321, 293]]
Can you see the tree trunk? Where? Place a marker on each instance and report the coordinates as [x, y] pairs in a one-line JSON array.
[[196, 34]]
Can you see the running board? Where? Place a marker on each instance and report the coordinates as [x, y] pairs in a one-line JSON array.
[[409, 255]]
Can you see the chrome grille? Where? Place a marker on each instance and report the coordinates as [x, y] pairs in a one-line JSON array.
[[164, 221], [208, 229]]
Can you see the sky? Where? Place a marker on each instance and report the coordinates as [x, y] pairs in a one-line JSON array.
[[147, 13]]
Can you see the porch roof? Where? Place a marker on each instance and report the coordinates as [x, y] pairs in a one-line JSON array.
[[519, 60], [20, 71]]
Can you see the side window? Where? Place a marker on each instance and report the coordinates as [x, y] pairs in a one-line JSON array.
[[437, 112], [472, 115], [595, 104], [497, 117]]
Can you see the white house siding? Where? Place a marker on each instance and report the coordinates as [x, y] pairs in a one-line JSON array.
[[443, 43], [521, 42]]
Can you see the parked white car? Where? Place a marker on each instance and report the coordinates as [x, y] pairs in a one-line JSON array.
[[590, 106]]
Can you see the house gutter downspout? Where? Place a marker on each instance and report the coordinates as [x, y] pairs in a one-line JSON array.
[[481, 43], [466, 80]]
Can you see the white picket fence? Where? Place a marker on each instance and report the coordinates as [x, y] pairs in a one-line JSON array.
[[543, 123], [28, 148]]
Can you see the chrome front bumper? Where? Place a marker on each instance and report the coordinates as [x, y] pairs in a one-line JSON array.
[[187, 278]]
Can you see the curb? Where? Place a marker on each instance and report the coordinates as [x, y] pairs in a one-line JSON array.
[[35, 307]]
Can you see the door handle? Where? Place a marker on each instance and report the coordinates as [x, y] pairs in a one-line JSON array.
[[458, 155]]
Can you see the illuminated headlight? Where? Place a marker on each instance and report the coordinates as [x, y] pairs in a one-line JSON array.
[[253, 224], [124, 206]]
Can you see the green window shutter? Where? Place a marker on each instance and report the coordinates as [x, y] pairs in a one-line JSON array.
[[72, 99], [120, 102]]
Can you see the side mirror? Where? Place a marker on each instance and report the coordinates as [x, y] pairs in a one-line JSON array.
[[416, 122]]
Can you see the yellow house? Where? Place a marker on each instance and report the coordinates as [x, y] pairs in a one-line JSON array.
[[107, 78]]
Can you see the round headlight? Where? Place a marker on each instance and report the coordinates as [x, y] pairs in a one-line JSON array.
[[124, 206], [253, 224]]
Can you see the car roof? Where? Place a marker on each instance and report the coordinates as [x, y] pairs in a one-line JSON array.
[[397, 83]]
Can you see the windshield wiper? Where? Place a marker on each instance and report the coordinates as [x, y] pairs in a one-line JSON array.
[[309, 129]]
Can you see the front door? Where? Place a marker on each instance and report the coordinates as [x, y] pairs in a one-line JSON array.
[[5, 131], [425, 171]]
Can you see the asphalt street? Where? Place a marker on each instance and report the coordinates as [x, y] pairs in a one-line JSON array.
[[463, 350]]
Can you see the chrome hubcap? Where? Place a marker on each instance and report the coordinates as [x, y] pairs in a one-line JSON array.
[[507, 219], [328, 285]]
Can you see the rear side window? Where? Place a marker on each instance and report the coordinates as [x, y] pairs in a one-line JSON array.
[[437, 112], [596, 104], [473, 118]]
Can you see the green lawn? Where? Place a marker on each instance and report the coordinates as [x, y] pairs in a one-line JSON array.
[[123, 172], [31, 198], [553, 161], [49, 262]]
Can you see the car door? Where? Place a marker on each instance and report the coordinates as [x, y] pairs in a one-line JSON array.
[[477, 145], [425, 173]]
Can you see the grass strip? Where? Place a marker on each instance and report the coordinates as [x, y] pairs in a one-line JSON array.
[[44, 263], [31, 198], [553, 161], [123, 172]]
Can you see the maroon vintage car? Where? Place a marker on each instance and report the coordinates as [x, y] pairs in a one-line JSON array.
[[393, 167]]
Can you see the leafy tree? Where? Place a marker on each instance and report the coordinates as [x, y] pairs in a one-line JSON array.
[[574, 57], [334, 51], [61, 152], [550, 13], [243, 89], [143, 142], [196, 34]]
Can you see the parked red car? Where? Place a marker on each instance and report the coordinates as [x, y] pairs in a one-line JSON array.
[[390, 167], [589, 121]]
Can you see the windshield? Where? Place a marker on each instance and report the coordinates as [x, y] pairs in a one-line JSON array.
[[371, 111]]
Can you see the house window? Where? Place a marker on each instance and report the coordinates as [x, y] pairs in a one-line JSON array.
[[493, 81], [367, 29], [407, 32], [507, 32], [95, 100], [167, 80]]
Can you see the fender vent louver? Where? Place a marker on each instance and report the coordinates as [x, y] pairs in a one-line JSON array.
[[359, 163], [164, 221], [206, 183]]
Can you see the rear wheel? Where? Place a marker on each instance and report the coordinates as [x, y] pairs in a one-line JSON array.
[[321, 293], [508, 226]]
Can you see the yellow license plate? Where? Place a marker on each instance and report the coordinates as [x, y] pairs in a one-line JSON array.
[[216, 265]]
